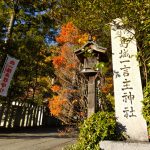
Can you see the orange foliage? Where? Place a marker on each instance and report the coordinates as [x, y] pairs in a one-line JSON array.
[[65, 58], [70, 33], [55, 88], [58, 61], [56, 105]]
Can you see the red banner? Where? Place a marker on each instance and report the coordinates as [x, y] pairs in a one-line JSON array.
[[7, 74]]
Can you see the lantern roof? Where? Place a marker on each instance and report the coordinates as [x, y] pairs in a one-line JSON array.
[[91, 44], [93, 48]]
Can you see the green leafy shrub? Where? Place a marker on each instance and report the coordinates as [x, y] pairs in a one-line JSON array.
[[146, 105], [100, 126]]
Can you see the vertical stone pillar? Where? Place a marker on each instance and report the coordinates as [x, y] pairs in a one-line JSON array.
[[127, 84]]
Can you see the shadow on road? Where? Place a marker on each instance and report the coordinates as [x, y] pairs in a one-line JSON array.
[[36, 133]]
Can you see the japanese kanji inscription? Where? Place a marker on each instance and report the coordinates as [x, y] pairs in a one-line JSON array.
[[127, 84]]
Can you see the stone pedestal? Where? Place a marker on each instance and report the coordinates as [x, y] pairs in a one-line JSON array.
[[120, 145], [91, 96]]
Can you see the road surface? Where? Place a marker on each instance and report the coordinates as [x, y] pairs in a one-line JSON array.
[[35, 139]]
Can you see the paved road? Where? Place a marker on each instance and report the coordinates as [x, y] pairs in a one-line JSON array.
[[35, 139]]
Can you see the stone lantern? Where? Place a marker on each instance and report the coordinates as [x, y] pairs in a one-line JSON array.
[[89, 56]]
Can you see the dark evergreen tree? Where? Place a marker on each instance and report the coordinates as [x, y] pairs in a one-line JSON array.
[[25, 33]]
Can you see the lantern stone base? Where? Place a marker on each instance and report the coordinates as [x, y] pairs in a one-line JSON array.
[[122, 145]]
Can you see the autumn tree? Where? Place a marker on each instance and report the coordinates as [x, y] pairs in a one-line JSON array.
[[69, 101]]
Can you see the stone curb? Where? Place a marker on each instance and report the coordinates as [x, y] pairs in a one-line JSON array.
[[121, 145]]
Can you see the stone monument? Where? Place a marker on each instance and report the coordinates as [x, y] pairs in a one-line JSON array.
[[127, 87]]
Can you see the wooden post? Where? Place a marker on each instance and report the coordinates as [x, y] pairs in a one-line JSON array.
[[91, 95]]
